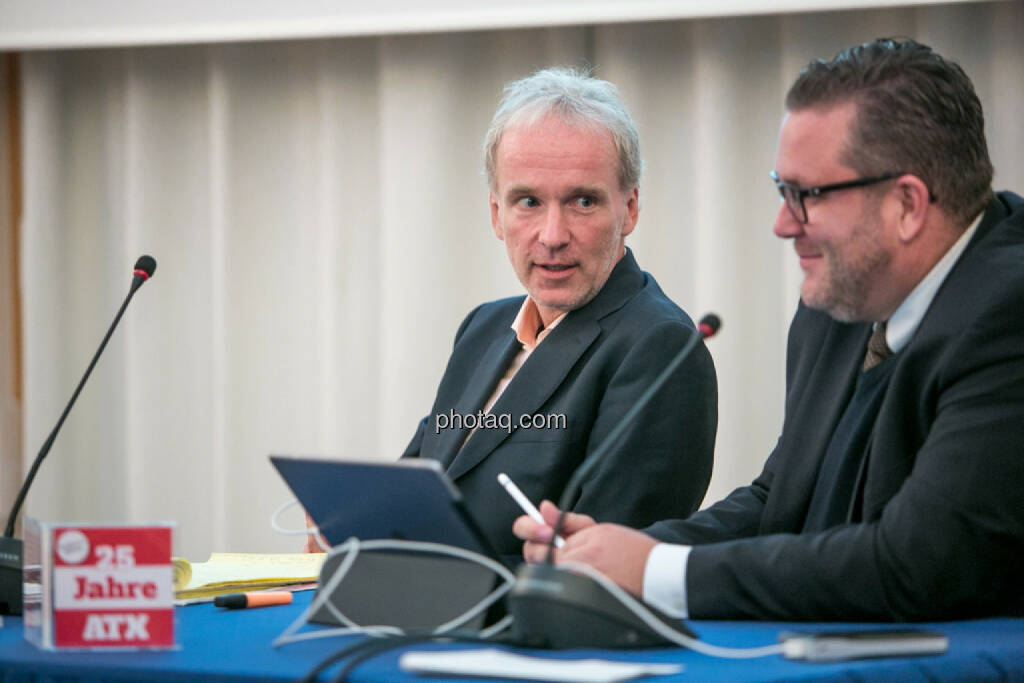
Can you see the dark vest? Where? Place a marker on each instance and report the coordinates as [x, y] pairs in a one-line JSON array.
[[833, 501]]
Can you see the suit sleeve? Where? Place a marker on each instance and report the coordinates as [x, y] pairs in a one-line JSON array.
[[413, 449], [738, 515], [661, 465], [948, 545]]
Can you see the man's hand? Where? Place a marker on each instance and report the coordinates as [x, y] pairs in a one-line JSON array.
[[618, 552], [537, 535], [311, 544]]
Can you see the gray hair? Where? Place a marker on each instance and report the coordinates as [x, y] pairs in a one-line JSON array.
[[577, 98]]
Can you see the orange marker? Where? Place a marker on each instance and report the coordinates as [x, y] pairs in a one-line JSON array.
[[257, 599]]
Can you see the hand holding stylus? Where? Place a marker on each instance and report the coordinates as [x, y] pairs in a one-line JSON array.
[[524, 503]]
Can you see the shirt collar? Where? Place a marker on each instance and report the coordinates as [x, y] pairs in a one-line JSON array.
[[905, 320], [527, 323]]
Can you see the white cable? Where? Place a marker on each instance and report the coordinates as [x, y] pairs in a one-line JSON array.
[[322, 600], [351, 549], [663, 629], [281, 530], [314, 530], [353, 546], [497, 627]]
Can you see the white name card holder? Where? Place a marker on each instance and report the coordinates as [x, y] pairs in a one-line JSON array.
[[99, 586]]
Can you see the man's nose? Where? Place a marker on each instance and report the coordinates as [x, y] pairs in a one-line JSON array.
[[785, 225], [554, 233]]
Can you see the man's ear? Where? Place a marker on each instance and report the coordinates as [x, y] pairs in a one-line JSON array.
[[913, 200], [495, 216], [632, 211]]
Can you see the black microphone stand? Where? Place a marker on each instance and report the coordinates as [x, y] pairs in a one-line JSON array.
[[556, 608], [707, 327], [12, 549]]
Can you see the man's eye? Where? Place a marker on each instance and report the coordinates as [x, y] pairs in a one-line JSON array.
[[528, 202], [585, 201]]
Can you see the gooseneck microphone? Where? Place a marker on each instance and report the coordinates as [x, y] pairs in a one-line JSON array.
[[558, 608], [11, 548], [707, 327]]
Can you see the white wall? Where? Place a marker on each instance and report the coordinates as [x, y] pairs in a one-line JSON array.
[[51, 24]]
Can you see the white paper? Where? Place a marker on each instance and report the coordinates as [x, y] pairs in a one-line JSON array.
[[502, 664]]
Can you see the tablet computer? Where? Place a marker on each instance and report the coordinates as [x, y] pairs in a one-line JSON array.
[[410, 499]]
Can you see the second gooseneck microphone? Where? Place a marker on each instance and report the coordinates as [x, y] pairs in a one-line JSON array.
[[707, 327], [559, 608]]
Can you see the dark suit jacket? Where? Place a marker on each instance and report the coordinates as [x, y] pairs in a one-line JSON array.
[[941, 532], [590, 368]]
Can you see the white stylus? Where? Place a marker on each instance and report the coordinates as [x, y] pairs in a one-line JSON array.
[[524, 502]]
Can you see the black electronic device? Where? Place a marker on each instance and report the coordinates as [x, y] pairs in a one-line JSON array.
[[559, 608], [834, 646], [11, 559], [11, 549]]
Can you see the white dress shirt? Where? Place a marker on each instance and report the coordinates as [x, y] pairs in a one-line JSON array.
[[665, 571]]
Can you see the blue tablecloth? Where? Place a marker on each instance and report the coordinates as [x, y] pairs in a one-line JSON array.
[[219, 645]]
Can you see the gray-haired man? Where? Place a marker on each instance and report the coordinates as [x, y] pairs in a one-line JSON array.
[[535, 383]]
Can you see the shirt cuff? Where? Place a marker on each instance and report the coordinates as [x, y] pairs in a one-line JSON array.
[[665, 579]]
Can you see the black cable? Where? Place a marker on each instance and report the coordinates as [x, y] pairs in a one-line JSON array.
[[371, 652], [331, 659], [371, 647]]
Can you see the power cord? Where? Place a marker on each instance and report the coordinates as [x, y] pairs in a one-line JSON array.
[[370, 648], [314, 530], [662, 629], [384, 637]]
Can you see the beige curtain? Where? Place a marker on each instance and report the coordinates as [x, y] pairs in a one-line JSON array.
[[320, 221]]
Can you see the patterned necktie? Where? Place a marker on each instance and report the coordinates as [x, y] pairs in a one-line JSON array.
[[878, 349]]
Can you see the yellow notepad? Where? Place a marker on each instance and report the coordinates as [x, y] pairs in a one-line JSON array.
[[236, 572]]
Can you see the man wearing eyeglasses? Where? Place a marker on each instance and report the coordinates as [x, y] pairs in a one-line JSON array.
[[896, 489]]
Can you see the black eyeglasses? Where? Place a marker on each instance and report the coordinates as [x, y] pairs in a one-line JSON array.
[[794, 195]]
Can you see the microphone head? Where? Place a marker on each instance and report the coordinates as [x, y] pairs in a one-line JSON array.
[[709, 325], [145, 266]]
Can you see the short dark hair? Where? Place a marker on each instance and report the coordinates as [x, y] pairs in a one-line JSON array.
[[916, 113]]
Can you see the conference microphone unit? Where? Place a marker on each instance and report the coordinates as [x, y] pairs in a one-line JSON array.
[[558, 608], [11, 549]]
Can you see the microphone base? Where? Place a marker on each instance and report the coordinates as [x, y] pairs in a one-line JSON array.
[[11, 575], [559, 609]]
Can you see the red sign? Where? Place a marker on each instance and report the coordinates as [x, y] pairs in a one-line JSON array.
[[112, 587]]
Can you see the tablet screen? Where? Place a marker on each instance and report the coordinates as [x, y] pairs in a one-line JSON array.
[[410, 499]]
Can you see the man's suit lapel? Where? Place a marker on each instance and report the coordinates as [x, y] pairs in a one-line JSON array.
[[485, 378], [826, 391], [534, 384], [885, 468], [548, 366]]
